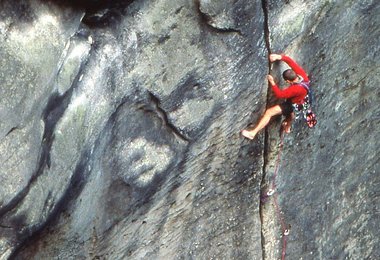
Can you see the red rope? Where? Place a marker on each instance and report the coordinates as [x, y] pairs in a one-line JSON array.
[[278, 211]]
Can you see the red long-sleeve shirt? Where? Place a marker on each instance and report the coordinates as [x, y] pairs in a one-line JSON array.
[[295, 92]]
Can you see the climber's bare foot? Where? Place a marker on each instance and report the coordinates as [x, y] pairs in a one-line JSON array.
[[286, 126], [248, 134]]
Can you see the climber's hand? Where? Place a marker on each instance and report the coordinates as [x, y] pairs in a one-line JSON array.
[[274, 57], [271, 80]]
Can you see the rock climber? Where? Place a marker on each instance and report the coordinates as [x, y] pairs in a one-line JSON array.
[[294, 94]]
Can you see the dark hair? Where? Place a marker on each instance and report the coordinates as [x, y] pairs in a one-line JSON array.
[[289, 75]]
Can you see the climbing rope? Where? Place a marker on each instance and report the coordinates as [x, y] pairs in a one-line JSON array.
[[271, 191]]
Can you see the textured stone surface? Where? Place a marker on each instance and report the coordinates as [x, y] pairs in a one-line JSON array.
[[120, 130], [134, 149], [328, 185]]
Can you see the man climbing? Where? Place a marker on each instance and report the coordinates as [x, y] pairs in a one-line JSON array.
[[295, 96]]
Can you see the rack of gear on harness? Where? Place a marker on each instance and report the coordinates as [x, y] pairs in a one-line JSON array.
[[285, 229], [304, 109]]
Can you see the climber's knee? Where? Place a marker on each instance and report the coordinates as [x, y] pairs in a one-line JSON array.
[[273, 111]]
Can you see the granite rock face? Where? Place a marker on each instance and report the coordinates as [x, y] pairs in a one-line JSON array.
[[120, 130], [120, 127], [328, 184]]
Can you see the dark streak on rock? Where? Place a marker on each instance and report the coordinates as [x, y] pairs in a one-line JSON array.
[[99, 13], [77, 182], [163, 38], [162, 114], [54, 110], [179, 10], [4, 226], [12, 130], [228, 30], [91, 6]]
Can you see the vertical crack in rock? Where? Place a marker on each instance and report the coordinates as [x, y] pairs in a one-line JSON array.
[[266, 132], [266, 29]]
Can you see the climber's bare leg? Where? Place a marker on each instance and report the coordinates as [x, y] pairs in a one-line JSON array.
[[273, 111], [287, 123]]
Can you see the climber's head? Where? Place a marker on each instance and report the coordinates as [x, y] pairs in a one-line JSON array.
[[289, 75]]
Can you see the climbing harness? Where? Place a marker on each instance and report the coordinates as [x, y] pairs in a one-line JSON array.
[[284, 229], [304, 108]]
